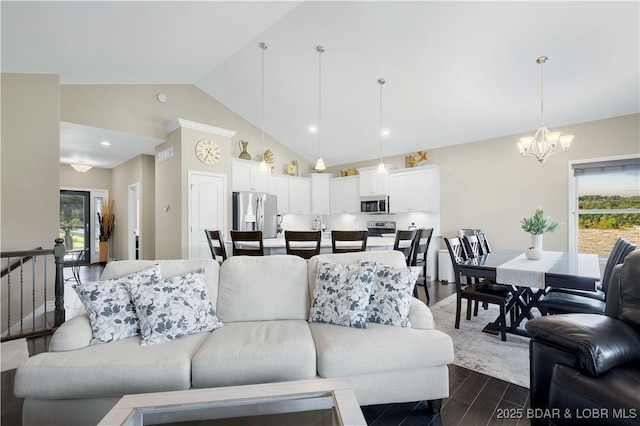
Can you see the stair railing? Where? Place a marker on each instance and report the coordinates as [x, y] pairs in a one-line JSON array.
[[33, 275]]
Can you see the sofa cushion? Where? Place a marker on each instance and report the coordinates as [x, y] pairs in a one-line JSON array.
[[113, 369], [345, 351], [111, 312], [168, 269], [256, 288], [174, 307], [392, 295], [342, 294], [255, 352]]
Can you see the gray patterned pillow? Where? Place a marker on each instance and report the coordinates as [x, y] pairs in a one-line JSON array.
[[391, 295], [174, 307], [342, 293], [112, 314]]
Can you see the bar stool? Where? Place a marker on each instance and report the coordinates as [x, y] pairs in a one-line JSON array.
[[358, 240], [304, 251], [216, 244], [239, 240]]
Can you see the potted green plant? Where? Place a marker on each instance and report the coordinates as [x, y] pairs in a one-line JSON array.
[[537, 225]]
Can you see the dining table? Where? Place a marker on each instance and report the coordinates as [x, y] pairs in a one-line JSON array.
[[528, 279]]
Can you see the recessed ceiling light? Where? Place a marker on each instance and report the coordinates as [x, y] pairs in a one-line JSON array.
[[105, 143], [313, 128]]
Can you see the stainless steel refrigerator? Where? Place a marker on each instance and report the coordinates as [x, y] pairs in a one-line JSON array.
[[255, 211]]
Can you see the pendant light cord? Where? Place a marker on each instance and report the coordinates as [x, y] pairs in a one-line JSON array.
[[320, 50], [263, 47], [542, 60], [381, 81]]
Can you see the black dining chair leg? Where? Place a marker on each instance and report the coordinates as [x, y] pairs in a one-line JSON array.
[[469, 303], [503, 324], [458, 309], [475, 308]]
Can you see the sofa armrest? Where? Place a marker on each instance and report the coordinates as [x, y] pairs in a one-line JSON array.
[[72, 334], [599, 342], [420, 315]]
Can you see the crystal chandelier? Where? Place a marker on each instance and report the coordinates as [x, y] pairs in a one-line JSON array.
[[544, 143], [263, 164], [383, 132], [320, 163]]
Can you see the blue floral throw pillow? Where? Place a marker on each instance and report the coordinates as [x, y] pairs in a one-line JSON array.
[[174, 307], [112, 314], [391, 295], [341, 294]]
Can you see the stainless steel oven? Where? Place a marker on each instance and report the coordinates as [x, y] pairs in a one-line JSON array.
[[376, 204], [381, 229]]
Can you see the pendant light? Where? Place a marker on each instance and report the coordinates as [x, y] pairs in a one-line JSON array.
[[320, 163], [383, 132], [263, 164], [544, 143]]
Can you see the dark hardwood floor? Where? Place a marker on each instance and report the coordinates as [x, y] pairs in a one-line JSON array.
[[474, 399]]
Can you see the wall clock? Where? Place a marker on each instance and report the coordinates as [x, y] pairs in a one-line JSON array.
[[208, 151]]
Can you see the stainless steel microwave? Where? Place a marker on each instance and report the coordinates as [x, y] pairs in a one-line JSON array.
[[375, 204]]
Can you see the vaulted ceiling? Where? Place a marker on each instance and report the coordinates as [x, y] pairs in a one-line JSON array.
[[455, 71]]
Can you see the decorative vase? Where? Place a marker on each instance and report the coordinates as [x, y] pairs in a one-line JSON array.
[[104, 251], [243, 150], [535, 251]]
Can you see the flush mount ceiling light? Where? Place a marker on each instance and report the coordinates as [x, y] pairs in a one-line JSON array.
[[80, 167], [383, 132], [544, 143], [320, 163], [263, 164]]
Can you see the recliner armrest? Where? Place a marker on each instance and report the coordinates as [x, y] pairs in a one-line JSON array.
[[600, 342]]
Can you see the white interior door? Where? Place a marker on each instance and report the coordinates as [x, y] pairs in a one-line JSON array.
[[207, 209]]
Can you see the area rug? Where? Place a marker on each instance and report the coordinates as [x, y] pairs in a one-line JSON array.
[[483, 352]]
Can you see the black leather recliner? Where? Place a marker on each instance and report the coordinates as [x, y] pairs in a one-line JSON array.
[[585, 368]]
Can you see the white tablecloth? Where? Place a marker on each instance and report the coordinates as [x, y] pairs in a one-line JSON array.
[[524, 272]]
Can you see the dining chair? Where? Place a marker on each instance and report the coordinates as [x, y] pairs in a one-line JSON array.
[[404, 243], [421, 244], [473, 293], [356, 241], [306, 251], [216, 244], [472, 246], [558, 300], [74, 259], [247, 243], [484, 243]]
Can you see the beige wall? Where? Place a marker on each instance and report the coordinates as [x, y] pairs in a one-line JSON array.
[[30, 140], [95, 178], [168, 193], [148, 207], [487, 185]]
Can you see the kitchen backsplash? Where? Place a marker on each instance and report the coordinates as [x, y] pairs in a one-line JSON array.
[[359, 221]]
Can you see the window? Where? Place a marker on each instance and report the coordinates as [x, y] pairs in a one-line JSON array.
[[605, 203]]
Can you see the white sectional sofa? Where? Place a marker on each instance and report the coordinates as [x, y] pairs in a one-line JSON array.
[[264, 304]]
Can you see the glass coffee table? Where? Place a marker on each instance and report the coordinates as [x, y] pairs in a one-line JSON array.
[[317, 402]]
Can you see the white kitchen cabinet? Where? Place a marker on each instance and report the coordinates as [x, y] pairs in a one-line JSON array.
[[345, 195], [279, 186], [294, 194], [299, 195], [372, 182], [320, 193], [415, 190], [245, 176]]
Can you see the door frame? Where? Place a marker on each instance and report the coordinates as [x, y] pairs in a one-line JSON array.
[[133, 219], [93, 194]]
